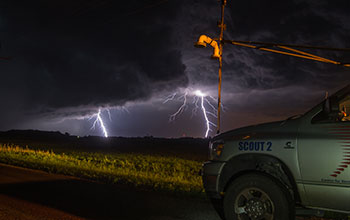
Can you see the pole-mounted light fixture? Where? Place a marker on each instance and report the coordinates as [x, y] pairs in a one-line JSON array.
[[203, 40]]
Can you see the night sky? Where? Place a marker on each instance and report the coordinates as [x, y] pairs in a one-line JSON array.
[[72, 58]]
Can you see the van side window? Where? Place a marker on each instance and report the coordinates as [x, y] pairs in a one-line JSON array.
[[334, 111], [344, 108]]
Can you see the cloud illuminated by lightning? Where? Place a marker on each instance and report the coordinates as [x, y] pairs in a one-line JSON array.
[[200, 100]]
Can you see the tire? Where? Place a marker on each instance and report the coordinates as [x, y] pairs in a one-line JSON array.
[[257, 197]]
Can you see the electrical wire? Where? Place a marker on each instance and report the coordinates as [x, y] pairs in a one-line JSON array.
[[289, 45], [290, 51]]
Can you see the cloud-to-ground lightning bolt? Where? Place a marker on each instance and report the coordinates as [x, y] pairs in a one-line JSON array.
[[100, 122], [208, 123], [98, 117], [198, 97]]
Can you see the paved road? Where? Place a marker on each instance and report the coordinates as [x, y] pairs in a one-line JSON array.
[[29, 194], [34, 195]]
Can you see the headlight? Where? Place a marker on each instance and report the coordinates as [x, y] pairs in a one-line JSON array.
[[215, 149]]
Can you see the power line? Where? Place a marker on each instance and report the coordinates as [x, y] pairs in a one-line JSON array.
[[290, 45], [291, 51]]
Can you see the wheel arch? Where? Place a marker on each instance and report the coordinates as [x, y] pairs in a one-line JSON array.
[[267, 164]]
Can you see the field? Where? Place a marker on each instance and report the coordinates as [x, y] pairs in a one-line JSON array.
[[156, 172], [151, 164]]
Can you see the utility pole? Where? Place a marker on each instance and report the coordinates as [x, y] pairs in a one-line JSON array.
[[222, 27], [203, 40], [285, 49]]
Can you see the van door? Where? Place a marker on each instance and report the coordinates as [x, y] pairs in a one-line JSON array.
[[324, 156]]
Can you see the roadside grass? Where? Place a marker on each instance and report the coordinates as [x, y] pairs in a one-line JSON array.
[[161, 173], [149, 172]]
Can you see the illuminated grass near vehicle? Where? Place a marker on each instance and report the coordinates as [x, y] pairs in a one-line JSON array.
[[154, 172]]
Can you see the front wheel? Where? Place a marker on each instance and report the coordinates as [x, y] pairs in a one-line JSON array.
[[257, 197]]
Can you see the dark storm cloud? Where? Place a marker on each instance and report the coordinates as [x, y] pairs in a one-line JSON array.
[[319, 23], [71, 57], [323, 23], [261, 82], [88, 53]]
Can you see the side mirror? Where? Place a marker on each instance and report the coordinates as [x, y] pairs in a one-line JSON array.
[[331, 105], [327, 106]]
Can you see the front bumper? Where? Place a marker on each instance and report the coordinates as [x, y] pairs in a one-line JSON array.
[[211, 171]]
